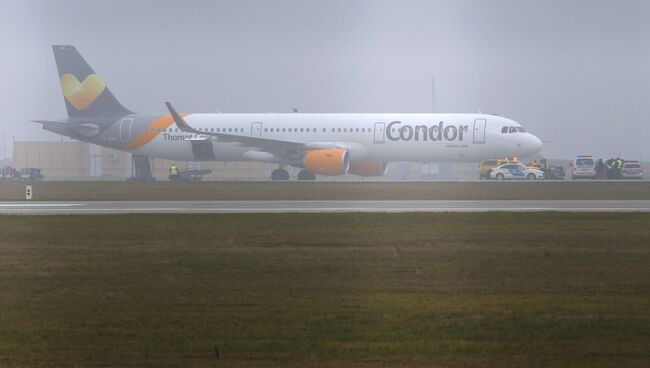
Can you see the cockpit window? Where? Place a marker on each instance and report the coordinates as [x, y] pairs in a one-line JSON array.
[[513, 129]]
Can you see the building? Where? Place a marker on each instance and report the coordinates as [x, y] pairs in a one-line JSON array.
[[72, 160]]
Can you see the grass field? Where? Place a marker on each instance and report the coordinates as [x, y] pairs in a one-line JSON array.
[[296, 290], [107, 191]]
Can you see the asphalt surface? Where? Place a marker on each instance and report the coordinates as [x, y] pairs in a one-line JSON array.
[[117, 207]]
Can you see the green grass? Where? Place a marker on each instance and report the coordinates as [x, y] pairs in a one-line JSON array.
[[365, 290], [109, 191]]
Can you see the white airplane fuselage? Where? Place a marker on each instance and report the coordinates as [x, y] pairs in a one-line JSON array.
[[367, 137]]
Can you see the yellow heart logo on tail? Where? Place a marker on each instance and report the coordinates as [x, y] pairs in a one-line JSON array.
[[82, 95]]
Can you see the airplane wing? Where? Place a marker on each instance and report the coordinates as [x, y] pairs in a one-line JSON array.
[[280, 148]]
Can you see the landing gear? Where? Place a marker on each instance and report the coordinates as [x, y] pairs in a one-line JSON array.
[[279, 174], [142, 169], [306, 175]]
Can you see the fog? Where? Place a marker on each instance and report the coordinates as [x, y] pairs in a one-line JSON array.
[[575, 73]]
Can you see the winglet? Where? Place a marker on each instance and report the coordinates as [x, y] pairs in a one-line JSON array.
[[180, 122]]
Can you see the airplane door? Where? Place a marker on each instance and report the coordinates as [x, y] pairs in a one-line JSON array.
[[479, 131], [379, 132], [256, 130], [125, 129]]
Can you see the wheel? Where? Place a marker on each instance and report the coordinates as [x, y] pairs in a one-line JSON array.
[[531, 176], [500, 176], [306, 175], [279, 174]]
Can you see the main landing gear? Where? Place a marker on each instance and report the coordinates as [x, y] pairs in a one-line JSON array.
[[306, 175], [279, 174], [283, 175]]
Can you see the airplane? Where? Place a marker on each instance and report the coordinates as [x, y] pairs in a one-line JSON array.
[[325, 144]]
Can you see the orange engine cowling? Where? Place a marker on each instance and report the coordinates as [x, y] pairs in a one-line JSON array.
[[368, 168], [327, 161]]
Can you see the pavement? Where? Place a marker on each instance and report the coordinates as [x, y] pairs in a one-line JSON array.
[[123, 207]]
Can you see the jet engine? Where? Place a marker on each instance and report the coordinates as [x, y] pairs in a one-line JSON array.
[[368, 168], [327, 161]]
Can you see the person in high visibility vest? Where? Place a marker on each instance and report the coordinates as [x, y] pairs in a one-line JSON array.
[[173, 172], [619, 166], [545, 166]]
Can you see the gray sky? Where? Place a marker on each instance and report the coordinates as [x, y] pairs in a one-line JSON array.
[[575, 73]]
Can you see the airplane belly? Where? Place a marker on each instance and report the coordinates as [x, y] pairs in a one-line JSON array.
[[192, 150], [228, 152], [160, 147]]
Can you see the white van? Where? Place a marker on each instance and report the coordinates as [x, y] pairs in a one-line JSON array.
[[583, 167]]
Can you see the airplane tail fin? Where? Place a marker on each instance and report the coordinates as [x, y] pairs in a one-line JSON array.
[[86, 95]]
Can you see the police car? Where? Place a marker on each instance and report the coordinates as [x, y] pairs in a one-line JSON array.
[[516, 171]]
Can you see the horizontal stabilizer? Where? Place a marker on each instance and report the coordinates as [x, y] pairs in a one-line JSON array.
[[85, 129]]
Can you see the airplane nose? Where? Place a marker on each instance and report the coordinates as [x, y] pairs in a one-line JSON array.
[[533, 144], [536, 144], [529, 145]]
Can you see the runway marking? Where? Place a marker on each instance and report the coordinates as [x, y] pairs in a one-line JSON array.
[[31, 205], [224, 207], [327, 210]]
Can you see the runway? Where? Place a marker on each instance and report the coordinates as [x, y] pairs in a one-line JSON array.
[[124, 207]]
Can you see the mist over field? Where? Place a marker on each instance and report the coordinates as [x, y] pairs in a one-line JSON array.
[[575, 73]]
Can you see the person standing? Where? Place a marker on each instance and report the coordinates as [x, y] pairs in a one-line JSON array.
[[173, 172]]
